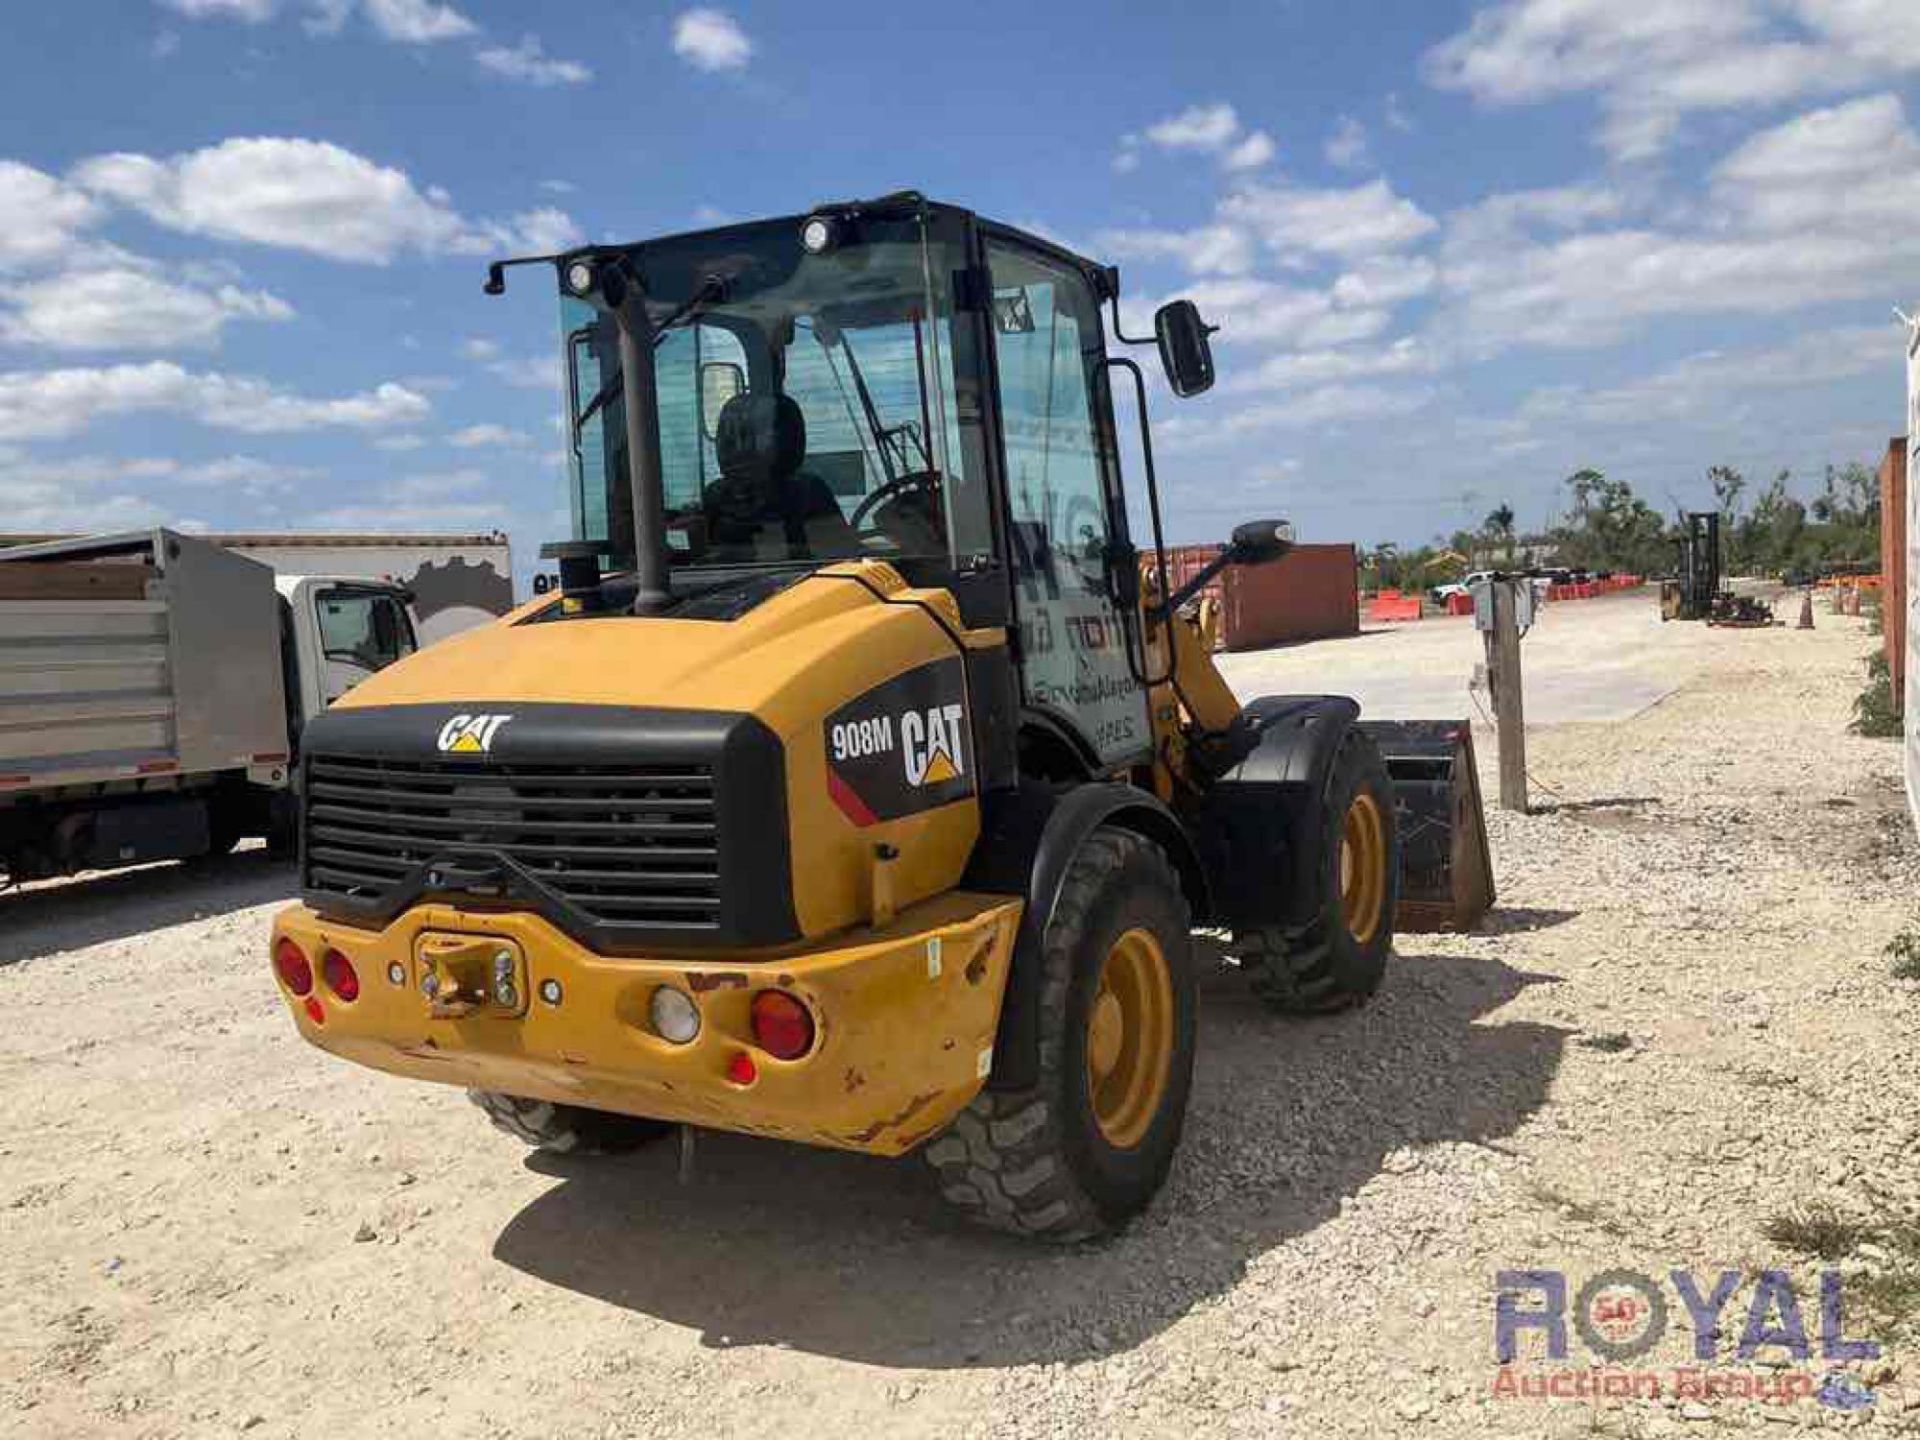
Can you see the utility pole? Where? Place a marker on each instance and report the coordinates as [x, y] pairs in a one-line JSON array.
[[1502, 637]]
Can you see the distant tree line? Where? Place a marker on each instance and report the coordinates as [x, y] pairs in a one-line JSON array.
[[1608, 527]]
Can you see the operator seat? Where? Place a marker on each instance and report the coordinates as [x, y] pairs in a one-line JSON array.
[[764, 506]]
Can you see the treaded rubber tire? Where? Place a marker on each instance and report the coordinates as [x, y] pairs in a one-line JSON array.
[[1322, 969], [1034, 1161], [567, 1129]]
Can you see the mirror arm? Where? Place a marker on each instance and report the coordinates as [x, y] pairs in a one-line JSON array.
[[1119, 334], [1198, 581]]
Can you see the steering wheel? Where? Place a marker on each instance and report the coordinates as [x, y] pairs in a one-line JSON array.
[[921, 482]]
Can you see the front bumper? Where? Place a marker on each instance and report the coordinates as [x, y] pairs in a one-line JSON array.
[[904, 1021]]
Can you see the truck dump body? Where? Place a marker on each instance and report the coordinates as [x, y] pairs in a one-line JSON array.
[[132, 656]]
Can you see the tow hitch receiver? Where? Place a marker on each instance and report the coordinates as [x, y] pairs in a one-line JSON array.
[[466, 975]]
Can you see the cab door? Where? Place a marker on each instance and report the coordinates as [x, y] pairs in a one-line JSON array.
[[1064, 505]]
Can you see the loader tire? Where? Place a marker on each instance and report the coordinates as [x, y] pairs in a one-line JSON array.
[[1337, 960], [1086, 1147], [567, 1129]]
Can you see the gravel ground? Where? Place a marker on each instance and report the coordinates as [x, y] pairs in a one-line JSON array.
[[1676, 1025]]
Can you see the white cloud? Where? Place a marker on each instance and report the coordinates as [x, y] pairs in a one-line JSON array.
[[1365, 220], [1652, 65], [1815, 209], [1386, 280], [1397, 117], [409, 22], [478, 347], [1348, 147], [40, 217], [307, 195], [434, 501], [1711, 385], [1213, 129], [558, 187], [399, 444], [475, 437], [1408, 355], [1251, 153], [416, 22], [126, 308], [538, 231], [46, 403], [1210, 250], [711, 40], [246, 473], [95, 492], [251, 11], [1329, 405], [1199, 127], [528, 62], [1257, 311], [526, 372]]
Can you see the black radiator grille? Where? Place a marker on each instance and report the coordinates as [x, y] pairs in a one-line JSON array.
[[627, 844]]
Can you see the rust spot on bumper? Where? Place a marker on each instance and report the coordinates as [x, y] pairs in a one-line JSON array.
[[912, 1107], [699, 982]]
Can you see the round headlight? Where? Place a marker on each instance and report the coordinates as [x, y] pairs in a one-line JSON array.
[[817, 235], [580, 278], [674, 1015]]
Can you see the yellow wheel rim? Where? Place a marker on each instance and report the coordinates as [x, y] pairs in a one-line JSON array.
[[1363, 868], [1130, 1039]]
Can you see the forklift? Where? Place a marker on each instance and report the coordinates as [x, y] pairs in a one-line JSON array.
[[1695, 588], [1695, 592], [861, 783]]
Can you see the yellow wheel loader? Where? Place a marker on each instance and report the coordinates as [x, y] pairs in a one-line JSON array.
[[860, 784]]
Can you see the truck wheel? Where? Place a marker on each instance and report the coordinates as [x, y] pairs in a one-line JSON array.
[[1337, 961], [1087, 1146], [567, 1129]]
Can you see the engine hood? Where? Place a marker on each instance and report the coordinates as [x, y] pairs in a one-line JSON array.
[[788, 660]]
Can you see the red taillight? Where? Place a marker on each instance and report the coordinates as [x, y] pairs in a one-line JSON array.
[[315, 1012], [290, 963], [741, 1070], [340, 975], [782, 1025]]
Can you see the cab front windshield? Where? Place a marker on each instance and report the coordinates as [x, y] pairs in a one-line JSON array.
[[808, 410]]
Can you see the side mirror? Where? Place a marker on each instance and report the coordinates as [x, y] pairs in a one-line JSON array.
[[720, 381], [1185, 353], [1259, 541]]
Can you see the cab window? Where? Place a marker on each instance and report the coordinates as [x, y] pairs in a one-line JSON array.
[[364, 628]]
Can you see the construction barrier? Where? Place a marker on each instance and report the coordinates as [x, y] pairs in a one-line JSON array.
[[1389, 608]]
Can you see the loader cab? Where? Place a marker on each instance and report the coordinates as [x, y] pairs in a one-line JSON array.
[[892, 380]]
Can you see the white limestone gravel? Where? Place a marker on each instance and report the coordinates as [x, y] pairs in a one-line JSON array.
[[182, 1184]]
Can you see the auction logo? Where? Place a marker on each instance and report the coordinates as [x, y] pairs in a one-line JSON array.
[[1620, 1315]]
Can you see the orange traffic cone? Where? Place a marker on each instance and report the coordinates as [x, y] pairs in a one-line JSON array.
[[1806, 611]]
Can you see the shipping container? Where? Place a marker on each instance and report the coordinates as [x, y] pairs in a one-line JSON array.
[[1311, 594], [1893, 562]]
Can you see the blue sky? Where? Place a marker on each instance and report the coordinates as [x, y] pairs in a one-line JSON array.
[[1457, 249]]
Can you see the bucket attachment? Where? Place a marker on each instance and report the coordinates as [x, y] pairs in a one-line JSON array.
[[1446, 869]]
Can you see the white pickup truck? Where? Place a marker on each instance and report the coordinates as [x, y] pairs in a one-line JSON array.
[[153, 688]]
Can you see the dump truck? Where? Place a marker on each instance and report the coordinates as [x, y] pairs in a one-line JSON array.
[[453, 581], [153, 691], [860, 785]]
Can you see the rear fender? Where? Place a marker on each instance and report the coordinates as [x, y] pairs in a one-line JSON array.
[[1027, 844], [1260, 828]]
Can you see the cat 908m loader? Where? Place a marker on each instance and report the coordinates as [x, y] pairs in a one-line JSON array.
[[860, 784]]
